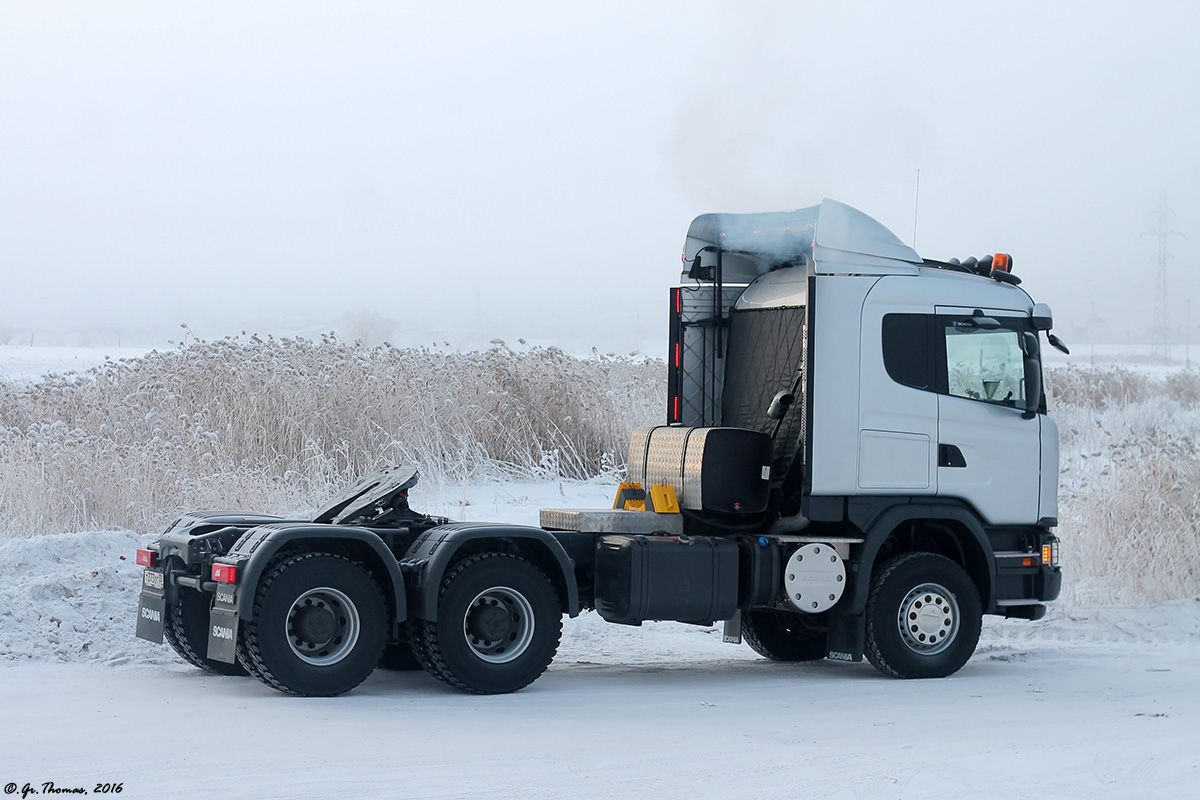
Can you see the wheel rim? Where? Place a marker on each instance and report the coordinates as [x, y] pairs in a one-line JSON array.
[[322, 626], [498, 624], [928, 619]]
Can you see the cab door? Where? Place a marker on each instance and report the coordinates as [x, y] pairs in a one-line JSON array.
[[988, 454], [897, 407]]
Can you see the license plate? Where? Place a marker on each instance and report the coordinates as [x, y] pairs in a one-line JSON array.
[[153, 579]]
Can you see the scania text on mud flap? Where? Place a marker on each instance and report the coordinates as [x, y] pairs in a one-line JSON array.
[[856, 461]]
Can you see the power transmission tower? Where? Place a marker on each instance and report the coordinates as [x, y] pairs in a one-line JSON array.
[[1160, 347]]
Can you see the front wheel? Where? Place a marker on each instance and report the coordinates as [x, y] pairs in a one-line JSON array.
[[923, 617], [317, 628], [497, 629]]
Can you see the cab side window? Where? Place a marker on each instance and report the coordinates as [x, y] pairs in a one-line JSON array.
[[952, 356], [985, 365], [908, 350]]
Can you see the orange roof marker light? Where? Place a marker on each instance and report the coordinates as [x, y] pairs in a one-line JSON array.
[[1002, 269]]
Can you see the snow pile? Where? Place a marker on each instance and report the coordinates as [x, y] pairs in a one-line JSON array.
[[1172, 621], [70, 598]]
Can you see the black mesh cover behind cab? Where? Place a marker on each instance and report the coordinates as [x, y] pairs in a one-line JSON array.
[[766, 348]]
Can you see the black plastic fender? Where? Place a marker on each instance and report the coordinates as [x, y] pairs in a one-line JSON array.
[[257, 546], [881, 525], [432, 552]]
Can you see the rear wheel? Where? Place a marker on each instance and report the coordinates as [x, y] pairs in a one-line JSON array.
[[923, 617], [497, 629], [186, 630], [783, 636], [317, 627]]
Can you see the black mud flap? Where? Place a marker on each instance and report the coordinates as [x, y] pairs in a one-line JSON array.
[[846, 636], [152, 609], [222, 635]]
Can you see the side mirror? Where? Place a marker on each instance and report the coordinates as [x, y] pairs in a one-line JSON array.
[[1033, 386], [1041, 317]]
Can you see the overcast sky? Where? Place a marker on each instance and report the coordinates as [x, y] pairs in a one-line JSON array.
[[526, 169]]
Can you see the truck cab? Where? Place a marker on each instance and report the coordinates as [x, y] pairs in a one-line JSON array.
[[907, 422]]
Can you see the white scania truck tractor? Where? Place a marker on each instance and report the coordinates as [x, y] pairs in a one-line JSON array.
[[856, 460]]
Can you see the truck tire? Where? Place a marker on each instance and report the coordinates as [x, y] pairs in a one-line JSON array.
[[498, 625], [923, 617], [186, 630], [317, 627], [781, 636]]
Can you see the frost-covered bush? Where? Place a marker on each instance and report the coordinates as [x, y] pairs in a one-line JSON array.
[[278, 425], [1129, 483]]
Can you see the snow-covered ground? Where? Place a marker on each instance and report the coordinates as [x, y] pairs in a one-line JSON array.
[[693, 719], [1136, 357], [1099, 702], [30, 363]]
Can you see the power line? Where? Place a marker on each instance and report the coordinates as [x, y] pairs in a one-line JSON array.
[[1161, 343]]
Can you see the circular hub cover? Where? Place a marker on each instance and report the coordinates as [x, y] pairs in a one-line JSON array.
[[322, 626], [499, 624], [814, 578], [928, 619]]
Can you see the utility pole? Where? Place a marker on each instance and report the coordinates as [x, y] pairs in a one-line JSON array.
[[1160, 347]]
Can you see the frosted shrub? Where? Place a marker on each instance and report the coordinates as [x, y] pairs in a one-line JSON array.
[[1129, 484], [278, 425]]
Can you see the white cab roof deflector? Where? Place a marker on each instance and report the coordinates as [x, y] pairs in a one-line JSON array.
[[832, 237]]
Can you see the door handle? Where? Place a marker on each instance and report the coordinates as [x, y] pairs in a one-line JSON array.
[[950, 456]]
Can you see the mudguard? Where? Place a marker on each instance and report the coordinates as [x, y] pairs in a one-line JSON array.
[[881, 525], [192, 519], [257, 546], [432, 552], [185, 538]]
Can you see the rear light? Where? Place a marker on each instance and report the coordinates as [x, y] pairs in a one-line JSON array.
[[224, 573], [147, 558], [675, 356]]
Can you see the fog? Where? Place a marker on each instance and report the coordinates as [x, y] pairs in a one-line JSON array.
[[457, 172]]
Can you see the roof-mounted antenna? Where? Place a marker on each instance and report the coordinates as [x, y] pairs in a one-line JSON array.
[[916, 207]]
